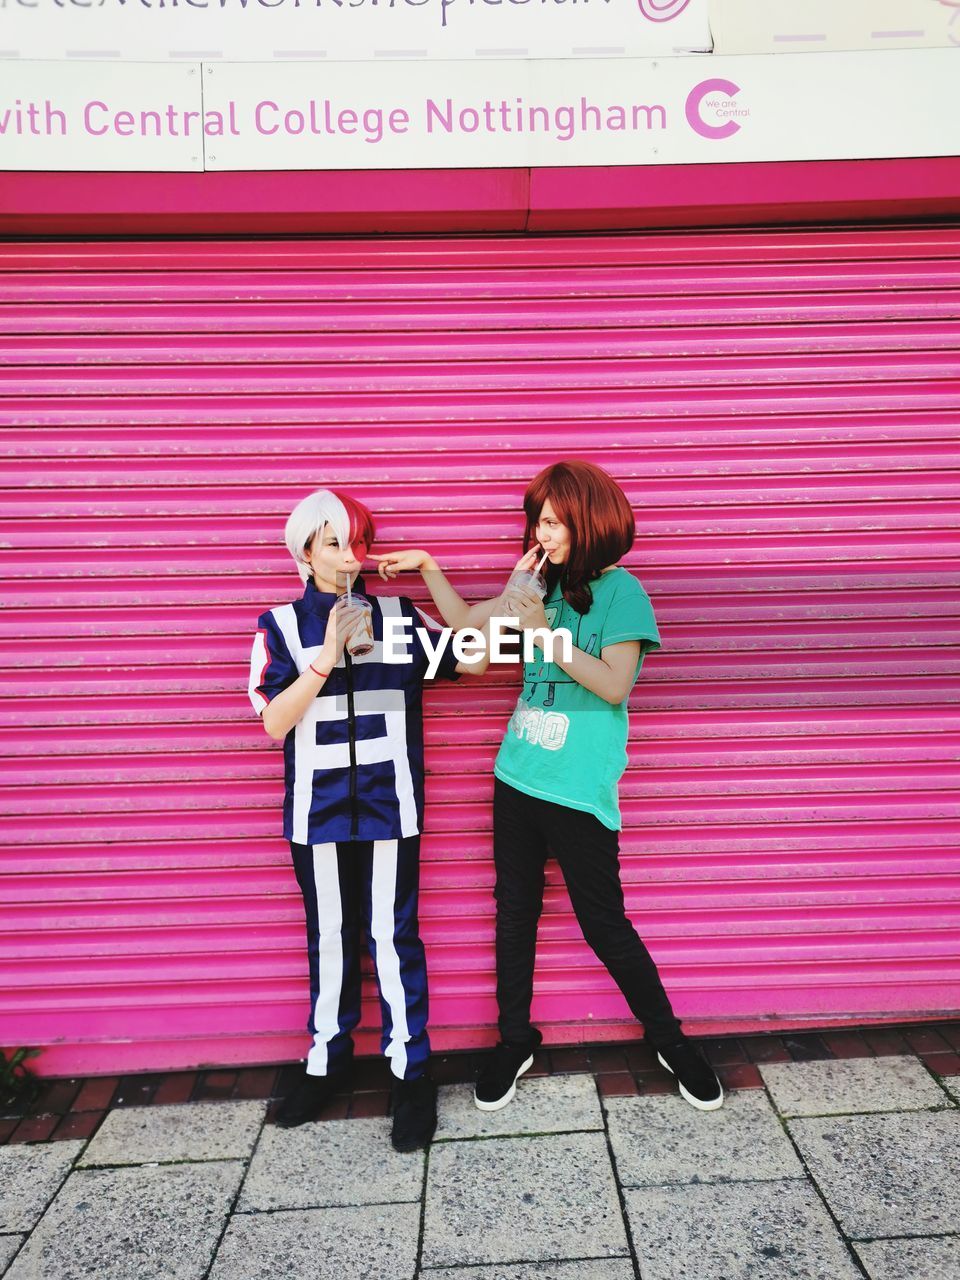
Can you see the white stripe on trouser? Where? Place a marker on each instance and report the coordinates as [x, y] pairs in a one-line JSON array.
[[326, 1012], [383, 892]]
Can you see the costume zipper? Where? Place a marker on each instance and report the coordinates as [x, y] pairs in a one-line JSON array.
[[352, 735]]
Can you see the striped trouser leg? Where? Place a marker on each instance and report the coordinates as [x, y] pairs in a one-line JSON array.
[[330, 883], [393, 930]]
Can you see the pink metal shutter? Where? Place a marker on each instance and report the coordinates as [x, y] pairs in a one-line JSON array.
[[781, 407]]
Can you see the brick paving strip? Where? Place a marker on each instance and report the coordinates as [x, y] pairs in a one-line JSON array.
[[837, 1154]]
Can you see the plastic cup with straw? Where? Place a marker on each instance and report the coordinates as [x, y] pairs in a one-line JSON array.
[[361, 642], [529, 579]]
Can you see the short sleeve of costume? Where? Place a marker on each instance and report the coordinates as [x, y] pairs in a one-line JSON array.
[[630, 617], [447, 670], [271, 667]]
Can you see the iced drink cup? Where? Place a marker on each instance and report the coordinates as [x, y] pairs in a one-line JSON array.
[[361, 642], [525, 580]]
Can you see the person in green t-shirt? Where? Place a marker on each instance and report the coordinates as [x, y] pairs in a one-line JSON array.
[[564, 751]]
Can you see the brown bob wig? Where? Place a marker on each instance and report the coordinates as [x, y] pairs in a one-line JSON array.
[[600, 519]]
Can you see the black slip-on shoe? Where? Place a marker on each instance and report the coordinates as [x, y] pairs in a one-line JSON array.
[[414, 1107], [502, 1068], [696, 1078]]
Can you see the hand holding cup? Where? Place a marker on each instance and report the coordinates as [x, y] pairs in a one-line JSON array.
[[526, 604], [526, 579], [342, 623]]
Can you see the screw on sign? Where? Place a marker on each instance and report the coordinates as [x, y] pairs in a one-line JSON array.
[[662, 10]]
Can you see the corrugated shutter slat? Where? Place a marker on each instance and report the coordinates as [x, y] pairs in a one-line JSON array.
[[781, 408]]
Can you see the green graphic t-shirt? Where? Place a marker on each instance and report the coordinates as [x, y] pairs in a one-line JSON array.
[[564, 743]]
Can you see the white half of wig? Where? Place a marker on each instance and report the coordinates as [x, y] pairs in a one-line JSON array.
[[307, 520]]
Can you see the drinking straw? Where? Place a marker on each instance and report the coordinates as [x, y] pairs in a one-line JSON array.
[[349, 596], [540, 565]]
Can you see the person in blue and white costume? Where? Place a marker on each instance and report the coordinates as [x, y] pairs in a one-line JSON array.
[[353, 810]]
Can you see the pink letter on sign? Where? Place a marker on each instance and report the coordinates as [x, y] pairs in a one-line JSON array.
[[694, 99]]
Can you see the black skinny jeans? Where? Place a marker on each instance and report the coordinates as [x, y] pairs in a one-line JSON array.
[[526, 831]]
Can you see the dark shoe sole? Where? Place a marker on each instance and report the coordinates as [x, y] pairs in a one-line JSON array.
[[294, 1124], [413, 1144], [509, 1095]]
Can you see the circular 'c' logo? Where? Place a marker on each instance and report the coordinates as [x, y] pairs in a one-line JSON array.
[[694, 101], [662, 10]]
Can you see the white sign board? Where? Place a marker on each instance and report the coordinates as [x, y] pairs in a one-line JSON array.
[[821, 26], [489, 115], [66, 116], [309, 30], [622, 111]]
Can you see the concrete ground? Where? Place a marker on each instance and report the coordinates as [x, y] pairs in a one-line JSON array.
[[832, 1168]]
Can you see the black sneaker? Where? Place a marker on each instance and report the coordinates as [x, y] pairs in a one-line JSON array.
[[309, 1098], [497, 1081], [414, 1107], [697, 1079]]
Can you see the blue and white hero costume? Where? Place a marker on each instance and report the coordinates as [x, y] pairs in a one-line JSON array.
[[353, 813]]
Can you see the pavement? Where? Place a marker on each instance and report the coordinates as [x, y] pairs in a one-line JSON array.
[[831, 1169]]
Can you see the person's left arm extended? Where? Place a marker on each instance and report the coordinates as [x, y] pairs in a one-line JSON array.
[[610, 676], [483, 661], [444, 662]]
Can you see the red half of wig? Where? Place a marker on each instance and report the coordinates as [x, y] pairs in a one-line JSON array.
[[362, 528]]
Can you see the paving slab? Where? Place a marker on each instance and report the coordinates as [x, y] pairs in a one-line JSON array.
[[8, 1247], [936, 1258], [664, 1139], [189, 1131], [30, 1174], [738, 1231], [546, 1104], [853, 1085], [373, 1242], [521, 1200], [339, 1162], [886, 1175], [115, 1224], [572, 1269]]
